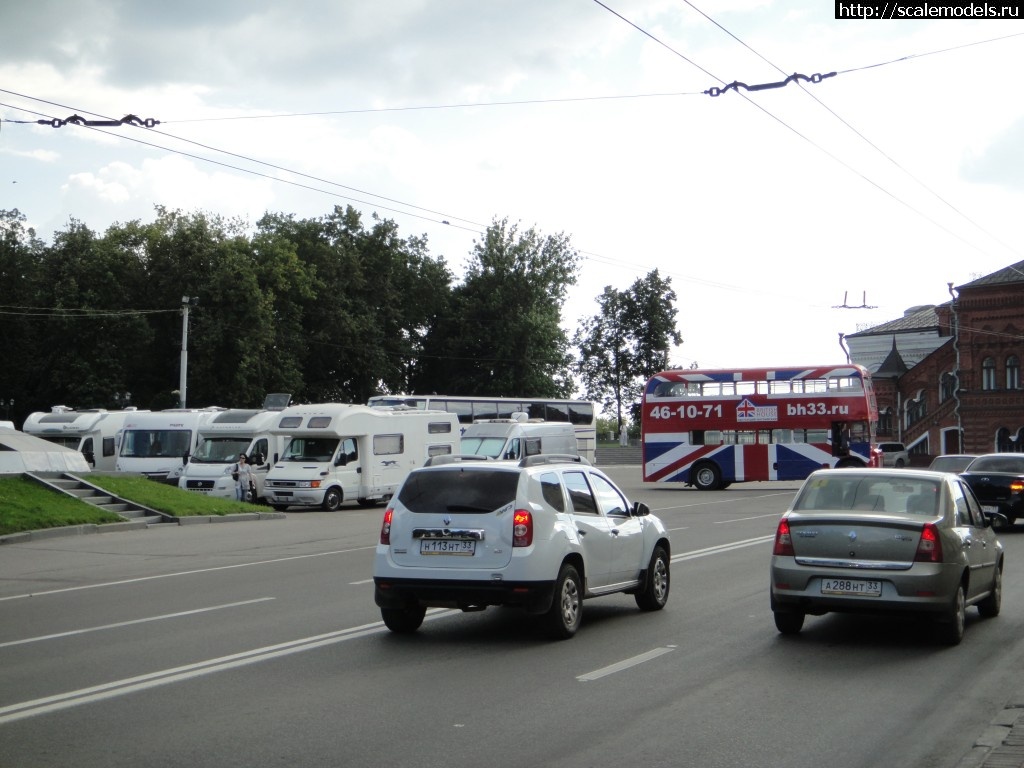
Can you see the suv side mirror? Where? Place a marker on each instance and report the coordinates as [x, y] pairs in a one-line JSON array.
[[640, 509]]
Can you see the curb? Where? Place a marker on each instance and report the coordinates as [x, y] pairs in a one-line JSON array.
[[1001, 744], [90, 528]]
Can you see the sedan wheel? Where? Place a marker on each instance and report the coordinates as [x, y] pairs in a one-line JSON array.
[[951, 630], [789, 622], [989, 607]]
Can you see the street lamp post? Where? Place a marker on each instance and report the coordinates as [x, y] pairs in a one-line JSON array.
[[186, 303]]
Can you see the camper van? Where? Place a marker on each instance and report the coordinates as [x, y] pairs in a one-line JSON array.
[[516, 438], [95, 432], [158, 443], [221, 440], [339, 452]]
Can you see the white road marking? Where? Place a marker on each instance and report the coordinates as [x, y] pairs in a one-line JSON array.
[[133, 621], [104, 691], [721, 548], [743, 519], [183, 573], [625, 664]]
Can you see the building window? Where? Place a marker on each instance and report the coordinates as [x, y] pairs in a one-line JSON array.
[[947, 386], [988, 374], [1013, 372], [916, 410], [884, 422]]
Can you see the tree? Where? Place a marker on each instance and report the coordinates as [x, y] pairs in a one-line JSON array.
[[627, 342], [501, 334]]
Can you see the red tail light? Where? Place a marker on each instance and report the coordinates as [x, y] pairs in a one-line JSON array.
[[783, 540], [522, 528], [1016, 486], [929, 548], [385, 529]]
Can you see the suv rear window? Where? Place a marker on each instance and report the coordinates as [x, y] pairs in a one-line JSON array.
[[470, 491]]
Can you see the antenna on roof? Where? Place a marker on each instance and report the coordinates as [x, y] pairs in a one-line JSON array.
[[863, 305]]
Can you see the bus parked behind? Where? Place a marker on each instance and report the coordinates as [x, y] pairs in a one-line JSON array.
[[709, 428]]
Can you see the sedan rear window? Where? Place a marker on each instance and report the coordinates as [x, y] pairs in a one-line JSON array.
[[1009, 464], [868, 494], [458, 491]]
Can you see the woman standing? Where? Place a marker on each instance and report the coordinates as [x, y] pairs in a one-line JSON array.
[[242, 475]]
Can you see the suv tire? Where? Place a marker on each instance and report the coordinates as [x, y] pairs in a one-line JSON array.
[[654, 594], [404, 621], [566, 611]]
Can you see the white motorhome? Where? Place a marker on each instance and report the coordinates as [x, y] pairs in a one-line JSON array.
[[340, 452], [517, 438], [221, 440], [96, 432], [158, 443]]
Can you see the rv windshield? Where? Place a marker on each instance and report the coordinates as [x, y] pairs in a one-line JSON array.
[[310, 449], [219, 450], [162, 443], [483, 446]]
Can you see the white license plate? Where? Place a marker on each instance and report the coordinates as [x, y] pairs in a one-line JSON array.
[[859, 587], [447, 547], [989, 509]]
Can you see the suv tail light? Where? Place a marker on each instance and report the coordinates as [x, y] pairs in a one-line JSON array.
[[385, 528], [783, 540], [929, 548], [522, 528]]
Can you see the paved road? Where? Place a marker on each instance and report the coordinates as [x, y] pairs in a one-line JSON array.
[[259, 644]]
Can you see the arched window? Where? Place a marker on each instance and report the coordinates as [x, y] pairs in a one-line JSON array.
[[1003, 442], [947, 386], [884, 422], [916, 409], [988, 374], [1013, 372]]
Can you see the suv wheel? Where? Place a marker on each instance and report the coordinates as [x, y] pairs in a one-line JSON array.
[[563, 617], [655, 591], [403, 620]]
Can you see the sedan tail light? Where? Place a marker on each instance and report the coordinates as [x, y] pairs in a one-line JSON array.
[[385, 528], [783, 540], [929, 548]]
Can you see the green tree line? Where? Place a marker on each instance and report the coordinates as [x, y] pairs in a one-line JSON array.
[[330, 309]]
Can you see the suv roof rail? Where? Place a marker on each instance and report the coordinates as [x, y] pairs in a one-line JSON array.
[[452, 458], [552, 458]]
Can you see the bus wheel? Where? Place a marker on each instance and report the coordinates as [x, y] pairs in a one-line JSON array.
[[706, 477]]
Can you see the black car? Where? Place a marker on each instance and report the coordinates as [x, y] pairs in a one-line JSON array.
[[997, 479]]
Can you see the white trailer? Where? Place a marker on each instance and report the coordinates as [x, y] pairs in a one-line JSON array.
[[95, 432], [221, 440], [340, 452], [158, 443]]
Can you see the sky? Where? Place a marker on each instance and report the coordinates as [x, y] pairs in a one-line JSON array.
[[769, 210]]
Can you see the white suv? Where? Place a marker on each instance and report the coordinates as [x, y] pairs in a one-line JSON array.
[[894, 455], [543, 534]]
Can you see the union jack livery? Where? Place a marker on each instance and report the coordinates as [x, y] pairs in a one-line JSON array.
[[710, 428]]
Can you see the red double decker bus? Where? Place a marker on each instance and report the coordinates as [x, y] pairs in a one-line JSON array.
[[710, 428]]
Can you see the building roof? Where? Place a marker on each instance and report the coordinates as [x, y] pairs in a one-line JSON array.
[[1011, 274], [923, 318], [893, 365]]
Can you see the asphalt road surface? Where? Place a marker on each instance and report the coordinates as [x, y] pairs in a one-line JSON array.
[[258, 644]]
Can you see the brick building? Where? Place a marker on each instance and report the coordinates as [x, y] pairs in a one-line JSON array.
[[951, 380]]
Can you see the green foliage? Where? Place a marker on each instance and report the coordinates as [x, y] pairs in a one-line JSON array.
[[627, 342], [164, 497]]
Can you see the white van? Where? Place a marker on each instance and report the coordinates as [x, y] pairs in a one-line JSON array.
[[221, 440], [517, 438], [340, 452], [96, 432], [158, 443]]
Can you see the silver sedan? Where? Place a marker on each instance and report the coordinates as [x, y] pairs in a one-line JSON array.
[[885, 540]]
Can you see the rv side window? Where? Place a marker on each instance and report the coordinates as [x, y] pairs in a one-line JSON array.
[[386, 445], [290, 422], [109, 446], [439, 427], [438, 450], [318, 422]]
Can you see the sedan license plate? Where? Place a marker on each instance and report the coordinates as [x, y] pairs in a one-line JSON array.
[[857, 587], [447, 547], [989, 509]]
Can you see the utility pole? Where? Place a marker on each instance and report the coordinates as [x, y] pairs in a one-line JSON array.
[[186, 303]]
